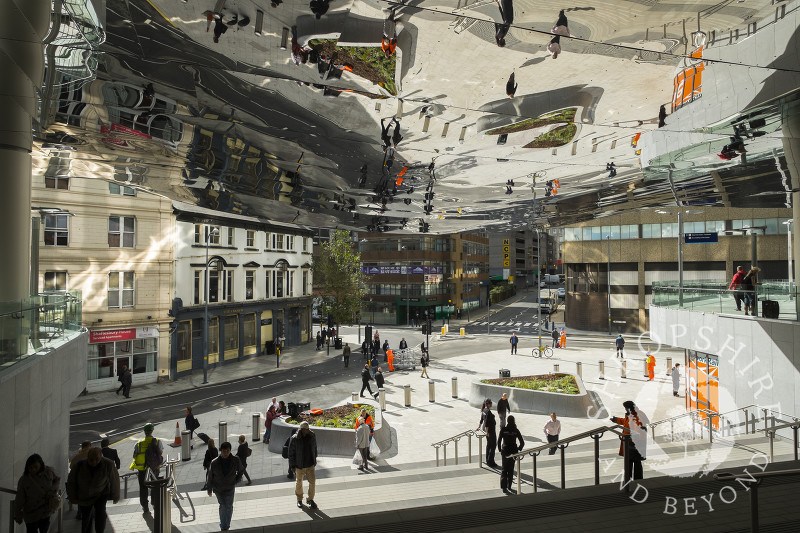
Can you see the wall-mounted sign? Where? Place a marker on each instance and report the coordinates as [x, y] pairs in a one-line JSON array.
[[123, 334], [506, 253], [432, 278]]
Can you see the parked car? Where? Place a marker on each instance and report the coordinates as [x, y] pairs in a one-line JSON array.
[[562, 292]]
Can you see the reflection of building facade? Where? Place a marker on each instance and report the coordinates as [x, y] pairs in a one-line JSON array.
[[643, 248], [514, 255], [259, 287], [115, 246], [441, 274]]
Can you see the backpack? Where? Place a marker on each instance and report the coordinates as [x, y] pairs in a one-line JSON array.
[[153, 458], [285, 450]]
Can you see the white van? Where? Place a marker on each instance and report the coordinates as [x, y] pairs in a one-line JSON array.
[[551, 279]]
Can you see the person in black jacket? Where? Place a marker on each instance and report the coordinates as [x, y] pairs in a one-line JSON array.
[[190, 422], [243, 452], [303, 461], [378, 381], [490, 427], [555, 335], [211, 453], [109, 453], [403, 344], [620, 344], [365, 377], [507, 442]]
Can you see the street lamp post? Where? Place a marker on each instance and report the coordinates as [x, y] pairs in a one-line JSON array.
[[539, 292], [209, 233], [608, 281], [408, 289]]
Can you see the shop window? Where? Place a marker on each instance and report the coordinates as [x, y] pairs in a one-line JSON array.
[[56, 230], [55, 281], [231, 341], [184, 343], [213, 339], [121, 232], [121, 291], [144, 355], [249, 330]]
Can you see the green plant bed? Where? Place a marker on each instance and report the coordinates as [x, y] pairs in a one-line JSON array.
[[563, 383], [557, 117], [343, 416], [369, 62], [556, 137]]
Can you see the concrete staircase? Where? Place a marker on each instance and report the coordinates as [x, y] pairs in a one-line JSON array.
[[467, 498]]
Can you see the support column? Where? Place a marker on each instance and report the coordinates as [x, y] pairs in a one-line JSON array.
[[791, 150], [23, 26]]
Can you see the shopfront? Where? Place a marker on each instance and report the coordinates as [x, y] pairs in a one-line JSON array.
[[110, 349]]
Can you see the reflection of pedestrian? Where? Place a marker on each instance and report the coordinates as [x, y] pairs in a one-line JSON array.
[[511, 87], [555, 46], [676, 379], [385, 138], [561, 25], [662, 116], [635, 425], [391, 27], [319, 7], [552, 428], [507, 15], [507, 442], [219, 29]]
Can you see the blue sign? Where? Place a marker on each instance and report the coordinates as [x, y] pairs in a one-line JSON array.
[[693, 238]]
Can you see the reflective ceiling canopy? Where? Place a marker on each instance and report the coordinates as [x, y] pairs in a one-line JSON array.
[[153, 102]]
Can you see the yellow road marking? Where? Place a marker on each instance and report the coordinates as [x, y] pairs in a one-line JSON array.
[[161, 13]]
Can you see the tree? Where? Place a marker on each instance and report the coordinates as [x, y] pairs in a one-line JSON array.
[[337, 273]]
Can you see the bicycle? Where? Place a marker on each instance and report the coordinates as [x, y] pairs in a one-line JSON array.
[[544, 351]]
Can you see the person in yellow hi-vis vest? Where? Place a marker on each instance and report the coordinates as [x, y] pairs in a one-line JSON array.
[[140, 462]]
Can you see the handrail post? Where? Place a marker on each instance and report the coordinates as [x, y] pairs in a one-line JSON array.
[[469, 447], [754, 506], [765, 421], [535, 488], [771, 435], [563, 469], [596, 439], [445, 454], [794, 434], [746, 420], [456, 450], [437, 457], [710, 427], [480, 451], [519, 476]]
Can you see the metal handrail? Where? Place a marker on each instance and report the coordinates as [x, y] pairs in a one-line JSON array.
[[753, 480], [709, 416], [454, 439], [772, 430], [60, 523], [594, 434]]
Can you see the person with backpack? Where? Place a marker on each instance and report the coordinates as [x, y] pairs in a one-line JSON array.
[[243, 452], [190, 423], [211, 453], [285, 453], [36, 499], [303, 462], [620, 344], [90, 485], [147, 453], [223, 475]]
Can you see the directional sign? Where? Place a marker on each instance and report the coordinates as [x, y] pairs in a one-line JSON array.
[[693, 238], [506, 254]]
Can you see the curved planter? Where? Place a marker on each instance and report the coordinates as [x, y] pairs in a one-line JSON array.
[[581, 405], [333, 441]]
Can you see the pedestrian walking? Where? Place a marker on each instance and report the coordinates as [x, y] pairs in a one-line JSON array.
[[90, 485], [127, 381], [651, 366], [554, 47], [662, 117], [376, 346], [378, 381], [83, 452], [735, 286], [634, 424], [362, 442], [507, 442], [37, 495], [223, 475], [119, 378], [190, 422], [346, 355], [511, 89], [303, 461], [365, 379], [144, 459], [552, 428], [319, 341], [211, 453], [270, 415], [423, 362], [109, 453], [507, 17], [555, 336], [514, 341], [563, 338], [373, 365], [561, 27], [503, 409], [391, 28], [403, 344], [219, 29], [676, 379], [319, 7], [489, 426], [748, 287], [620, 344], [243, 452], [365, 348]]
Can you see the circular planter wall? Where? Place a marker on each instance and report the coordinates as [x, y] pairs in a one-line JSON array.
[[581, 405]]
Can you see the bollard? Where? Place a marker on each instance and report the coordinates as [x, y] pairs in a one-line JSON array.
[[623, 370], [431, 391], [555, 367], [444, 331], [186, 445], [256, 436], [223, 433], [382, 398], [644, 368], [463, 332], [602, 370], [579, 369], [669, 365], [407, 394], [353, 396], [162, 505], [454, 384]]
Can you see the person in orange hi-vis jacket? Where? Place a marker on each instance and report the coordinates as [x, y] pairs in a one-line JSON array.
[[563, 338], [634, 424], [390, 359], [651, 366]]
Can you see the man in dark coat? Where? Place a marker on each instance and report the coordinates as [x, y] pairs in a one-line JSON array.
[[365, 377], [223, 475], [490, 427], [378, 382], [555, 336], [127, 381], [109, 453], [507, 14], [90, 485], [319, 7], [303, 460], [346, 355]]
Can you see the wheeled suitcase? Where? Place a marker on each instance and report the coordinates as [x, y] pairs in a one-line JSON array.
[[770, 309], [203, 437]]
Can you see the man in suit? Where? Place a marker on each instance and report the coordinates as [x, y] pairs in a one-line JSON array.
[[490, 427], [109, 453]]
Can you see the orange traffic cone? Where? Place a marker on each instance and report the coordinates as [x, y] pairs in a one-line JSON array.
[[177, 435]]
